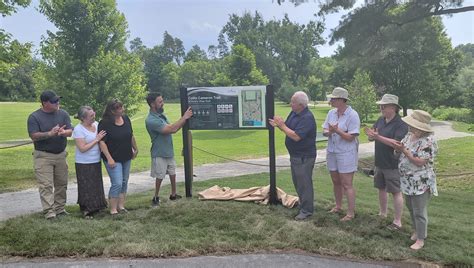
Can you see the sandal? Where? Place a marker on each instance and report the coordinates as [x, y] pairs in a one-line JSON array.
[[123, 210], [394, 227], [335, 210], [417, 245], [348, 218]]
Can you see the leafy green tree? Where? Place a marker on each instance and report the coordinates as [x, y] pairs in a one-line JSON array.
[[465, 83], [319, 80], [222, 48], [198, 73], [87, 59], [15, 60], [113, 74], [283, 49], [212, 52], [15, 69], [171, 80], [7, 7], [173, 47], [362, 95], [414, 61], [242, 68], [415, 10], [137, 46], [195, 54]]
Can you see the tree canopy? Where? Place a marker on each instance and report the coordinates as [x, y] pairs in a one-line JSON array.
[[87, 59]]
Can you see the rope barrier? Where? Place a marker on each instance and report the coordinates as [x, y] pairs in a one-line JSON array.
[[16, 145], [244, 162]]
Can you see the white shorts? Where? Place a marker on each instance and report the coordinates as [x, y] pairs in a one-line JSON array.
[[160, 166], [342, 162]]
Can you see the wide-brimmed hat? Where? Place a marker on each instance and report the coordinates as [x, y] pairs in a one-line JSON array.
[[339, 93], [420, 120], [49, 95], [389, 99]]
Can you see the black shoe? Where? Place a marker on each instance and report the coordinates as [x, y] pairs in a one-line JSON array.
[[155, 201], [175, 197]]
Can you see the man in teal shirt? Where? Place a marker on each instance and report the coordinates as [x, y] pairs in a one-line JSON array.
[[162, 153]]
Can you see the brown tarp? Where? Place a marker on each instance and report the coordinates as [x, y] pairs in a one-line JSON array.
[[259, 195]]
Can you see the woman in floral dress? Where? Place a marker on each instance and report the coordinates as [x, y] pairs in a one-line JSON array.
[[418, 180]]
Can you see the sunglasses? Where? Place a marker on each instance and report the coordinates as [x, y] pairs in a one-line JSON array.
[[54, 102]]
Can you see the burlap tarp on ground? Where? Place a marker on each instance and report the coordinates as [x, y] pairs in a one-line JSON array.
[[259, 195]]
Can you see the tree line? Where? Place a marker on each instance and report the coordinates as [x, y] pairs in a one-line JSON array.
[[393, 47]]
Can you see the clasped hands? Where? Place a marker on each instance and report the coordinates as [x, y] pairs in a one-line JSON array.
[[277, 121], [58, 131]]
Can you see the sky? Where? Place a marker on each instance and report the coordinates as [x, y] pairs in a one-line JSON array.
[[199, 21]]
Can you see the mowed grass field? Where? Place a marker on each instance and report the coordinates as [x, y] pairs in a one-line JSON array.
[[16, 173], [190, 227]]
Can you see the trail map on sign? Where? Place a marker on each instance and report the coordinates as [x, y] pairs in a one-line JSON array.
[[227, 107], [252, 110]]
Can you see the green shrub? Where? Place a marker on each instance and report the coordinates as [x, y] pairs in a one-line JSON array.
[[454, 114]]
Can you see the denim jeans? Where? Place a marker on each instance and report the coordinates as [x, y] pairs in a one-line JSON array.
[[118, 178]]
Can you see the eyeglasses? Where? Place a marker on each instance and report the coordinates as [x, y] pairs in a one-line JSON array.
[[335, 99], [383, 106], [54, 102]]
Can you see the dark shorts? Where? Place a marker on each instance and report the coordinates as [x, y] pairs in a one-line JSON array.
[[387, 179]]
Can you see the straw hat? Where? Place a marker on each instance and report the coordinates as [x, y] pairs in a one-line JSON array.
[[420, 120], [389, 99], [339, 93]]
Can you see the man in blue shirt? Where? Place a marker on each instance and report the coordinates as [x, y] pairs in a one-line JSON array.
[[162, 152], [300, 131]]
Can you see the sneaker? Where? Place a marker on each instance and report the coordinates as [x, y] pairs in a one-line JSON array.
[[175, 197], [155, 201]]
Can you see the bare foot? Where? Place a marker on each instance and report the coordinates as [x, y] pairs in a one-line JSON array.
[[382, 215], [418, 244]]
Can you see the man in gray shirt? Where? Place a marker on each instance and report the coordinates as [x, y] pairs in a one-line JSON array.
[[49, 128]]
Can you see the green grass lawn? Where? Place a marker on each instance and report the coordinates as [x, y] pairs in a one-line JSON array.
[[190, 227], [235, 144]]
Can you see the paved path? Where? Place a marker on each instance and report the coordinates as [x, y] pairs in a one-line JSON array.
[[27, 201], [235, 261]]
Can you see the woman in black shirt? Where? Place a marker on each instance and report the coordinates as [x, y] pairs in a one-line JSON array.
[[118, 149]]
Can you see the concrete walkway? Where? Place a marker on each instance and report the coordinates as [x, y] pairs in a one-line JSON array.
[[235, 261], [27, 201]]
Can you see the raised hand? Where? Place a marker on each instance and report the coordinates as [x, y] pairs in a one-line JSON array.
[[188, 113]]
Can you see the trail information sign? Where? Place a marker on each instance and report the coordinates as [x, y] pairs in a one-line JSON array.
[[227, 107]]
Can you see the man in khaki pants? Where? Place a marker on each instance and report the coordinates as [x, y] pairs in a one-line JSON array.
[[49, 128]]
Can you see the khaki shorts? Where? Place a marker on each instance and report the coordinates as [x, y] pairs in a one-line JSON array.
[[160, 166], [387, 179]]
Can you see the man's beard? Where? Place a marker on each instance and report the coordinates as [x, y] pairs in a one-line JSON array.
[[160, 110]]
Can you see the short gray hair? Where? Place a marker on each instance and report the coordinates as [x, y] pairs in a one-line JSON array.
[[82, 113], [301, 97]]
